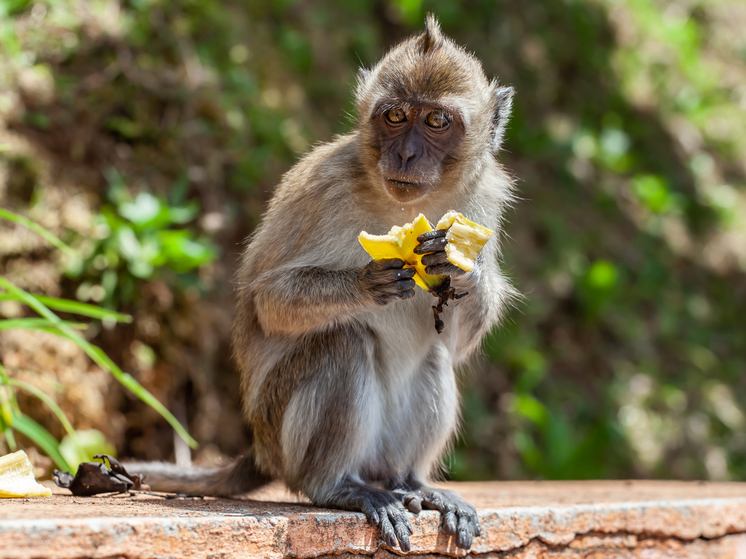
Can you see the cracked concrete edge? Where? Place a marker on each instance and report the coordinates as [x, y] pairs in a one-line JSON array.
[[319, 534]]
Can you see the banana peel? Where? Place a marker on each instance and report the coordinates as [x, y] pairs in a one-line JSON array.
[[465, 240], [17, 477], [400, 242]]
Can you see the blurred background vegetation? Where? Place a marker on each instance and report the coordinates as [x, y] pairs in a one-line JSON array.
[[149, 134]]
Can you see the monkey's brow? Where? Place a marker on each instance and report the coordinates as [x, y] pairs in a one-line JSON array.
[[392, 104], [413, 105]]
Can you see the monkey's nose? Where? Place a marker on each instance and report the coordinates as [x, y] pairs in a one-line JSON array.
[[405, 158]]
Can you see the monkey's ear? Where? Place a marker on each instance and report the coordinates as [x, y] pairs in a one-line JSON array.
[[503, 104]]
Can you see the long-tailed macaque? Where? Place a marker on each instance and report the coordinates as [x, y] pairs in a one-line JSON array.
[[349, 391]]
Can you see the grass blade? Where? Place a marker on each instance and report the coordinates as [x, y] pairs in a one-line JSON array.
[[27, 426], [37, 324], [10, 439], [74, 307], [30, 388], [100, 358], [36, 228]]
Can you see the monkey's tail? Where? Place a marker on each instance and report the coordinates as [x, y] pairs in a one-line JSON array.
[[235, 478]]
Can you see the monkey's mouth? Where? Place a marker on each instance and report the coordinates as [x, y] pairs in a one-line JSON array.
[[404, 191], [405, 184]]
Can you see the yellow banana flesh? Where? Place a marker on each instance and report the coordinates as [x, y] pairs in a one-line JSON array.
[[466, 239], [17, 477], [400, 243]]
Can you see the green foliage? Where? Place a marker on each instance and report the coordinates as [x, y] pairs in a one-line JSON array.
[[138, 239], [82, 445], [76, 447]]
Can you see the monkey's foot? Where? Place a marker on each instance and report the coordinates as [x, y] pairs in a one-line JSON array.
[[459, 518], [383, 509]]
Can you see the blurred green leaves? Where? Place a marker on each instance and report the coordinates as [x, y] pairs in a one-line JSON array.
[[137, 238]]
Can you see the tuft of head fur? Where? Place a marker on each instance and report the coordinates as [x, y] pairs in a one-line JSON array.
[[432, 35]]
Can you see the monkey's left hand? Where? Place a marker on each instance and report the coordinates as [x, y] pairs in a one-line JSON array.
[[433, 245]]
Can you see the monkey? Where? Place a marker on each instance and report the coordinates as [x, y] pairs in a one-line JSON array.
[[349, 392]]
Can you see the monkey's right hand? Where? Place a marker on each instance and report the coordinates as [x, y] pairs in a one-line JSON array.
[[387, 280]]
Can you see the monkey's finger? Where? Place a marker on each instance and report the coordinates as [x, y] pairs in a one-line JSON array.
[[391, 263], [433, 245], [402, 274], [405, 285], [434, 500], [402, 526], [474, 521], [386, 277], [399, 514], [446, 269], [430, 235], [435, 258]]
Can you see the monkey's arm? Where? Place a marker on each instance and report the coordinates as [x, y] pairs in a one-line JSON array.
[[295, 300], [490, 295]]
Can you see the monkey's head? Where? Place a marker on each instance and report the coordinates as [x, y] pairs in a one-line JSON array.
[[429, 115]]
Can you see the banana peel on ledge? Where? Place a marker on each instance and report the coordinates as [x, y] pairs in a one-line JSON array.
[[17, 478], [465, 241]]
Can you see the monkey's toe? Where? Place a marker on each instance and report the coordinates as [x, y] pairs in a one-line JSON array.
[[459, 518], [413, 503], [387, 512]]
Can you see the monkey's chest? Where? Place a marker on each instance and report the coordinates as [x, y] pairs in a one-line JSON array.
[[416, 388]]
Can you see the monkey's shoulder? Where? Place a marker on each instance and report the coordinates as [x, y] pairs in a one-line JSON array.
[[324, 174]]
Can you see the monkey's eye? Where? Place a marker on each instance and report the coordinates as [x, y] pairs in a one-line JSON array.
[[437, 119], [396, 115]]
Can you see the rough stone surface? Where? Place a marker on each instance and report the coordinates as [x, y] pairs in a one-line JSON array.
[[519, 520]]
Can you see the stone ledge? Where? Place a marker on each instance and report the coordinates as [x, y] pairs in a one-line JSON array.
[[519, 519]]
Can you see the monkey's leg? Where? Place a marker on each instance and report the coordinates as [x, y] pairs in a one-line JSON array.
[[331, 427]]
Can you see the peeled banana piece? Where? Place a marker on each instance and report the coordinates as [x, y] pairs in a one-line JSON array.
[[465, 240], [17, 477]]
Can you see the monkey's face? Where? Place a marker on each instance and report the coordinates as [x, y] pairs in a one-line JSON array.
[[417, 143]]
